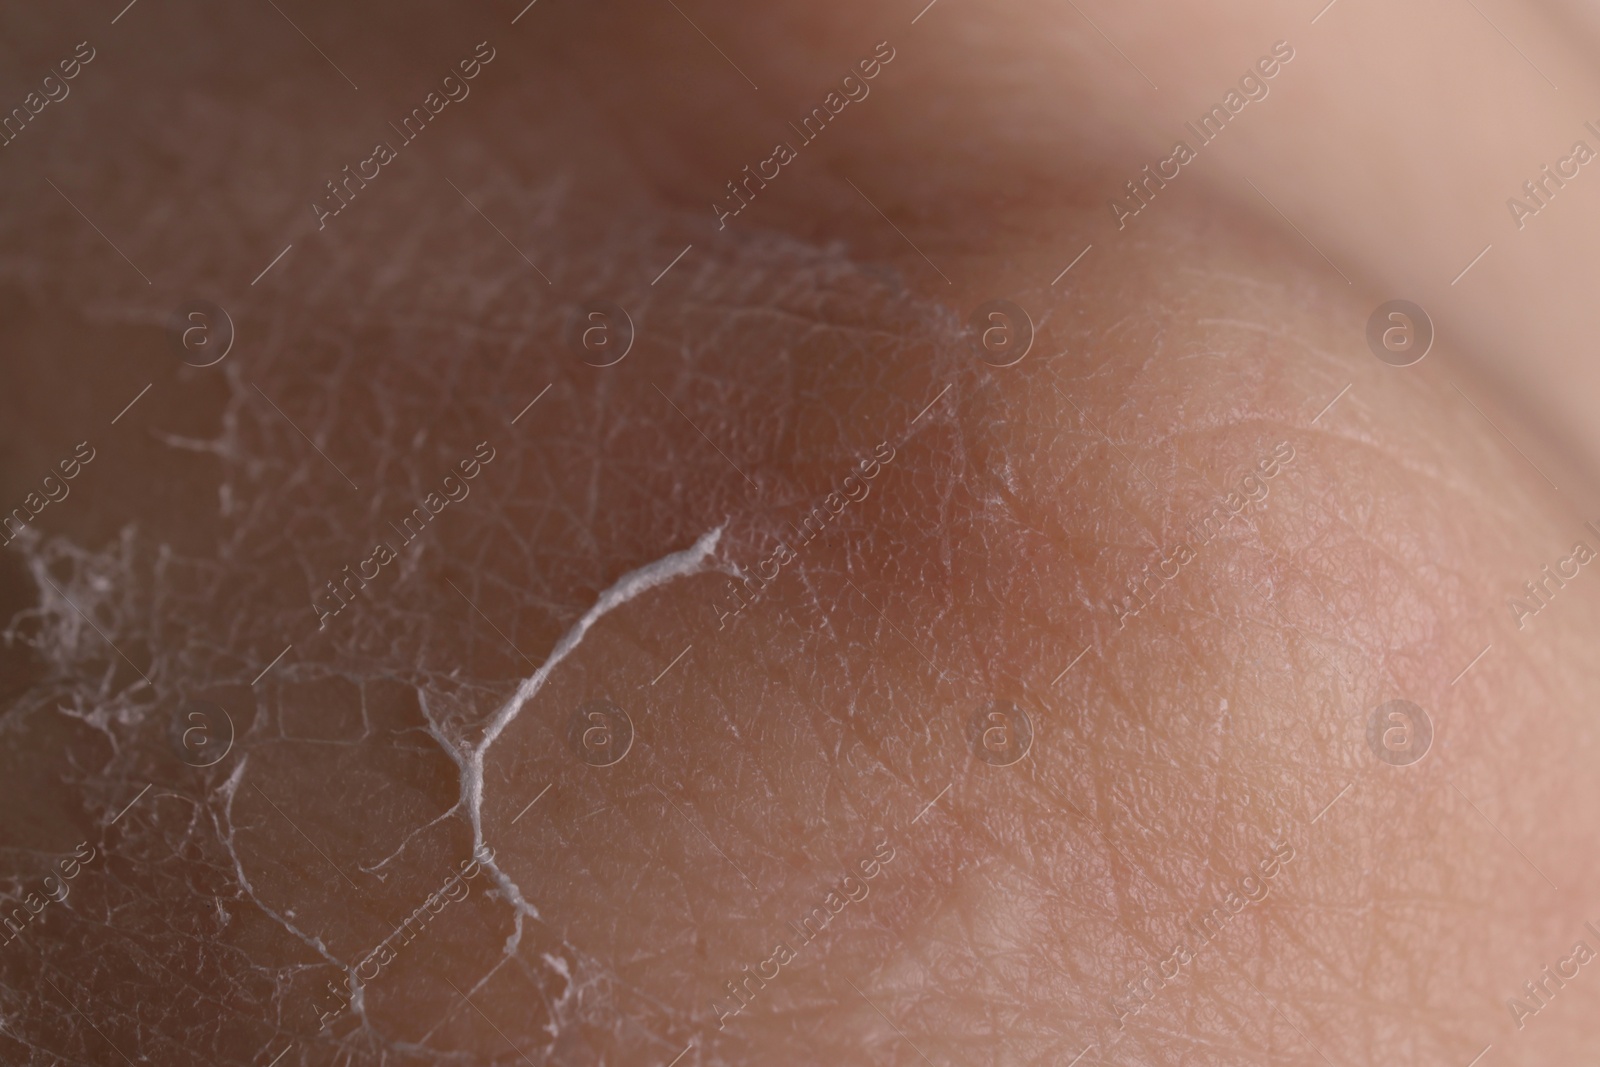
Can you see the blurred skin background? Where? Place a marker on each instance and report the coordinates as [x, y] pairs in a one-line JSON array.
[[694, 534]]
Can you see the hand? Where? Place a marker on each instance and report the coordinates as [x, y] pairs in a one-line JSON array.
[[1171, 678]]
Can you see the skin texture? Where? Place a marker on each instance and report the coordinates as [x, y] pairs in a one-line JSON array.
[[821, 725]]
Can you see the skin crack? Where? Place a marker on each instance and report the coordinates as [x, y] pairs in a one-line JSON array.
[[692, 560]]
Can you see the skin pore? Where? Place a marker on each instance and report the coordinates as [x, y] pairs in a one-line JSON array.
[[808, 841]]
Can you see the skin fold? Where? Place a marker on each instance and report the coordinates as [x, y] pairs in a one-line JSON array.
[[980, 708]]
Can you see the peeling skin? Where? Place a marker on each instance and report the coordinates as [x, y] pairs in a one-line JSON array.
[[673, 565], [1031, 908]]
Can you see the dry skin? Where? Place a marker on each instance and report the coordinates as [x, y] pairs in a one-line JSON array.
[[815, 548]]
